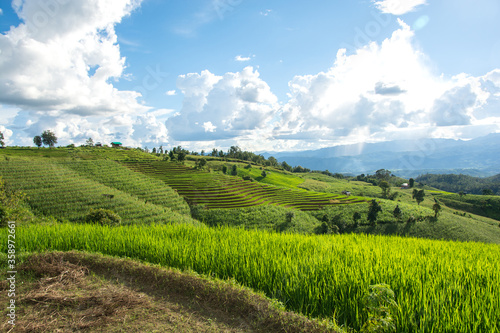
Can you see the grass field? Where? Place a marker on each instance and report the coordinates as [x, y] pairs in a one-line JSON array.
[[220, 191], [440, 286], [54, 189]]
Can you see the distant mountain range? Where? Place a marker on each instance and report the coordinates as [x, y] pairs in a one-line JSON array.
[[406, 158]]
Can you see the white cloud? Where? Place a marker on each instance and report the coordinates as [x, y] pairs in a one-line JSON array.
[[241, 58], [266, 12], [70, 48], [171, 93], [382, 91], [209, 127], [1, 11], [398, 7], [222, 107]]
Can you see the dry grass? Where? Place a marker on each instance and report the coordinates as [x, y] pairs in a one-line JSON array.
[[74, 291]]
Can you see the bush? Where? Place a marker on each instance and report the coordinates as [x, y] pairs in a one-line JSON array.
[[103, 217]]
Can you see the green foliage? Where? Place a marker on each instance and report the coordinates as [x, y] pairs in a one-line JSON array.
[[13, 206], [263, 174], [397, 213], [488, 206], [418, 195], [381, 306], [49, 138], [436, 208], [264, 217], [412, 182], [320, 276], [2, 143], [462, 183], [103, 217], [37, 140], [386, 188], [234, 170], [373, 211], [224, 169]]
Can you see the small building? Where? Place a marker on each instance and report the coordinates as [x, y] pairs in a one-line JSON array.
[[405, 186], [346, 193], [98, 144], [116, 144]]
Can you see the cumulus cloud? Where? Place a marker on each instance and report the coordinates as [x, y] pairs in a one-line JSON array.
[[380, 92], [398, 7], [241, 58], [71, 48], [171, 93], [57, 70], [222, 107]]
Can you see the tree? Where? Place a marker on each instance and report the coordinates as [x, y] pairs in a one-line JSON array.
[[263, 174], [386, 188], [2, 143], [49, 138], [412, 182], [436, 208], [234, 170], [383, 174], [89, 142], [461, 193], [487, 191], [356, 217], [201, 163], [37, 140], [103, 217], [181, 156], [224, 169], [418, 195], [397, 212], [373, 211], [171, 155]]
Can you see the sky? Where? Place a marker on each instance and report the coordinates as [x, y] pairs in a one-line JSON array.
[[269, 75]]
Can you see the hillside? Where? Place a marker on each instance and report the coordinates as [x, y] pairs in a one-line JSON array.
[[75, 291], [462, 183], [408, 158], [293, 237]]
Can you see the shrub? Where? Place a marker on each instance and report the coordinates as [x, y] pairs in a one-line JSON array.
[[103, 217], [381, 305]]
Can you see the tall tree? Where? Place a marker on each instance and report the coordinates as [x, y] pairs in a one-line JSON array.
[[373, 211], [412, 182], [418, 195], [89, 142], [49, 138], [37, 140], [386, 188], [2, 143]]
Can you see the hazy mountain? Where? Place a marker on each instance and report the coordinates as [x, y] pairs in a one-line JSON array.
[[478, 157]]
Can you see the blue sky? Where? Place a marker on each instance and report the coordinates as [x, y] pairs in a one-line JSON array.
[[264, 75]]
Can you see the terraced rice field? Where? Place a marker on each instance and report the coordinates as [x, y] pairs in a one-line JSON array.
[[55, 189], [219, 191]]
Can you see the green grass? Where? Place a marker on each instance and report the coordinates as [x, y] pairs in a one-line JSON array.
[[88, 153], [265, 217], [58, 191], [484, 205], [213, 190], [117, 176], [440, 286]]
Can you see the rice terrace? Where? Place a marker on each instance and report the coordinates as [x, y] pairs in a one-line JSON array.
[[238, 243], [250, 166]]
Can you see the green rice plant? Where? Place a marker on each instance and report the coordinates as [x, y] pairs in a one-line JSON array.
[[439, 286]]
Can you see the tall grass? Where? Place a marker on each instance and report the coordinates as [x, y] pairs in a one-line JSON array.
[[440, 286]]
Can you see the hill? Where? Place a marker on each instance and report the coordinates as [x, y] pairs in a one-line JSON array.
[[408, 158], [461, 183], [76, 291], [318, 260]]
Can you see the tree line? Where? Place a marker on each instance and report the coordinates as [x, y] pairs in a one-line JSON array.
[[462, 183]]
